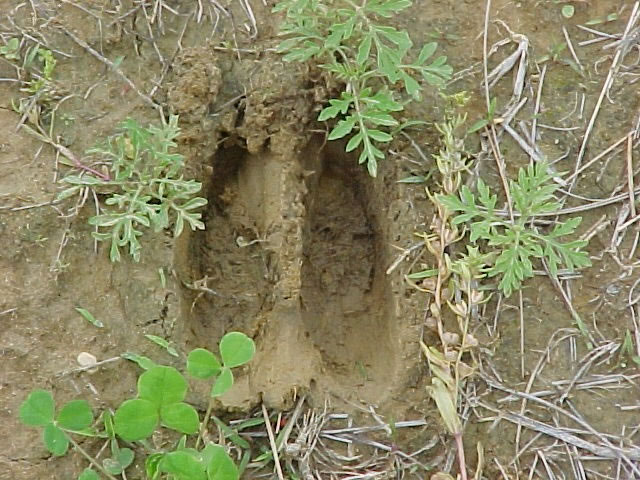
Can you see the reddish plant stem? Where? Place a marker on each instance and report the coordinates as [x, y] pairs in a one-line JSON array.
[[78, 164], [461, 460]]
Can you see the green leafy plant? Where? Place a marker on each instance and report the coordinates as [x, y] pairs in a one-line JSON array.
[[452, 284], [159, 402], [10, 51], [518, 242], [370, 58], [39, 411], [88, 316], [146, 187], [37, 61], [627, 351], [161, 342], [568, 11], [40, 84], [35, 74]]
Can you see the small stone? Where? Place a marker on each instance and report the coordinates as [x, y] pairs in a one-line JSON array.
[[86, 359]]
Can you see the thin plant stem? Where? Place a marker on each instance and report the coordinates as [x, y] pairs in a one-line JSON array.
[[91, 460], [205, 421], [461, 460], [272, 442]]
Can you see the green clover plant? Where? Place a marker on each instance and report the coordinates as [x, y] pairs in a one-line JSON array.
[[146, 187], [369, 57], [518, 242], [159, 402]]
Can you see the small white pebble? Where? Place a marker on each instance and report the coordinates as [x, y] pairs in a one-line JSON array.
[[86, 359]]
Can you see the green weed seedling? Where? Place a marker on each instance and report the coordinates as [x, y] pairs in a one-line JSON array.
[[36, 69], [146, 187], [515, 244], [33, 55], [370, 58], [39, 85], [158, 403], [10, 51]]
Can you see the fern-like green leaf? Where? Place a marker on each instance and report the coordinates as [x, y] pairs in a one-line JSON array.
[[147, 189], [351, 43], [518, 244]]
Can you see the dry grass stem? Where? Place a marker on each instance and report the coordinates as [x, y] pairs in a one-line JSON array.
[[605, 448], [605, 89], [571, 49], [272, 442], [536, 109]]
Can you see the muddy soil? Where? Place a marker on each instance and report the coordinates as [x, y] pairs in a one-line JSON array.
[[298, 238], [294, 254]]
